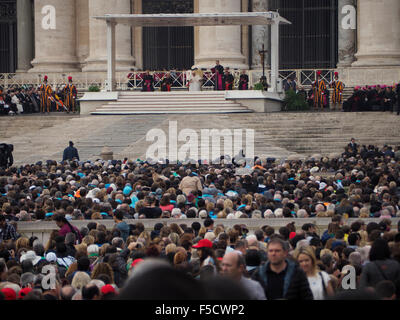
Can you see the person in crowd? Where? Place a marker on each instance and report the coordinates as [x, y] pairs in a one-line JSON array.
[[166, 82], [234, 266], [218, 71], [290, 84], [337, 92], [319, 88], [228, 79], [70, 93], [243, 81], [281, 277], [46, 92], [148, 82], [70, 153], [319, 281]]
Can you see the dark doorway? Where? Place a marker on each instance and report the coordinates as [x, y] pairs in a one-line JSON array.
[[311, 41], [8, 36], [168, 47]]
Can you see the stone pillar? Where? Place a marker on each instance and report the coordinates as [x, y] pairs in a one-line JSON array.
[[260, 37], [97, 60], [220, 42], [55, 45], [378, 33], [347, 18], [24, 35], [82, 30]]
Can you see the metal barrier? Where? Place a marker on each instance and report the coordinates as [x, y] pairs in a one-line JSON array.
[[84, 80]]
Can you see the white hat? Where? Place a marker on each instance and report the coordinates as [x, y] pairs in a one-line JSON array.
[[51, 257], [93, 249], [314, 169], [30, 255]]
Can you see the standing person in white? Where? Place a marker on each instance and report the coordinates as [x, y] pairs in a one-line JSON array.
[[195, 80]]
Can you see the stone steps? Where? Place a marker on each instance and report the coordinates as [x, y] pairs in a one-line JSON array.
[[184, 102], [278, 135]]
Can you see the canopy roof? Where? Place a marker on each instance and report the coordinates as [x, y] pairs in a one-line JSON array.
[[195, 19]]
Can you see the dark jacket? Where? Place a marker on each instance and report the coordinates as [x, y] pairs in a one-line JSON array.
[[70, 153], [119, 267], [379, 270], [296, 286]]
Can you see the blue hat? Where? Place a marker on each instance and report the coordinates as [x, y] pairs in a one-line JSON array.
[[127, 190]]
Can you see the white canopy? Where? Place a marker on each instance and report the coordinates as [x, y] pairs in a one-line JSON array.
[[193, 19]]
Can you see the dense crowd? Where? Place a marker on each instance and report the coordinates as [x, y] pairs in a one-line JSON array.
[[26, 100], [204, 259]]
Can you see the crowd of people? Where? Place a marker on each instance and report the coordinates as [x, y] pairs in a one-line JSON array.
[[28, 99], [204, 259], [323, 95], [220, 78]]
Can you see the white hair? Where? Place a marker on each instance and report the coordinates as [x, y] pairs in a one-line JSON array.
[[175, 212], [302, 243], [251, 240], [302, 213], [278, 213], [210, 236], [98, 283], [203, 214], [238, 214], [232, 216], [269, 214]]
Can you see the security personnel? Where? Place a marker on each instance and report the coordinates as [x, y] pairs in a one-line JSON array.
[[70, 94], [45, 95], [337, 92]]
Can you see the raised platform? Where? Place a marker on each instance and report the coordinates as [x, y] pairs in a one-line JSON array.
[[179, 102]]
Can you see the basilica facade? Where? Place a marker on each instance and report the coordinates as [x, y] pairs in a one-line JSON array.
[[360, 38]]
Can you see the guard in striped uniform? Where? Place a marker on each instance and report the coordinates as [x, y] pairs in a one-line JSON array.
[[70, 94], [45, 96], [319, 88], [337, 92]]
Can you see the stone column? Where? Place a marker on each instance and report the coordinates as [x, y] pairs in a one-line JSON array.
[[347, 19], [55, 45], [97, 60], [25, 35], [378, 33], [220, 42], [260, 37], [82, 30]]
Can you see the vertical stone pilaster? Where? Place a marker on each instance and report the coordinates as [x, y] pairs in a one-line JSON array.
[[55, 37], [378, 26], [220, 42], [24, 35], [347, 35], [97, 60], [260, 36]]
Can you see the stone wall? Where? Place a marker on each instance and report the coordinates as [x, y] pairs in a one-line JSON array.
[[42, 229]]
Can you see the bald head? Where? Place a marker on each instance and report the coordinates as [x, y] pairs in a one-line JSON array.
[[233, 265], [67, 292]]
